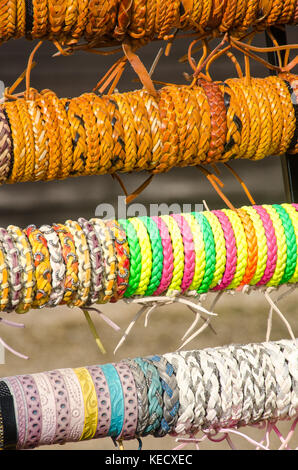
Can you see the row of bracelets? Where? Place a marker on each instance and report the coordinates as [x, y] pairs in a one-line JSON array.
[[87, 262], [46, 138], [140, 20], [176, 393]]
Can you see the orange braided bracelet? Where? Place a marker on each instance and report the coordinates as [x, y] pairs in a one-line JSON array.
[[56, 138], [102, 22]]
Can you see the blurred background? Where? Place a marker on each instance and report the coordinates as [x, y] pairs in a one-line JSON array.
[[58, 338]]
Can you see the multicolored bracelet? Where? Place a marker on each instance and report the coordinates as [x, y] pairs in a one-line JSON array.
[[42, 144], [99, 24], [98, 261], [175, 394]]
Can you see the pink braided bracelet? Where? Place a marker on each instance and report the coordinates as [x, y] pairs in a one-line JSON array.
[[231, 250], [189, 251], [168, 258], [271, 245]]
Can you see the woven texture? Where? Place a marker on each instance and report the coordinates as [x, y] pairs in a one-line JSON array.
[[183, 392], [85, 262], [46, 138], [100, 22]]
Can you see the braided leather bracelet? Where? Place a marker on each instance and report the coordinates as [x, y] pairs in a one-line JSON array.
[[170, 255], [99, 22], [47, 138]]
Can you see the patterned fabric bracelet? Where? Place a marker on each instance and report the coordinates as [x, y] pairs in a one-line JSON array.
[[84, 265], [57, 265], [290, 243], [25, 257], [8, 418], [123, 258], [293, 216], [130, 401], [212, 390], [178, 254], [42, 265], [13, 265], [70, 261], [90, 403], [199, 249]]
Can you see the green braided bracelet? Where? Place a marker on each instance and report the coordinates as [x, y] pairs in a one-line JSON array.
[[210, 253], [157, 254], [135, 257]]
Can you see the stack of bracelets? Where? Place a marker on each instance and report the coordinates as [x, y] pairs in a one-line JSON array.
[[148, 259], [46, 138], [179, 393], [98, 261], [104, 22]]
